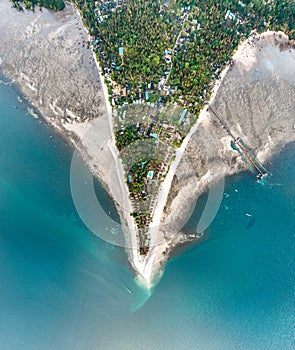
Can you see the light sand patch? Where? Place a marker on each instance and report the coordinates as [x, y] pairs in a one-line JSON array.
[[61, 78], [256, 101]]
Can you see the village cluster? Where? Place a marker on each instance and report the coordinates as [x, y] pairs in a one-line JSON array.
[[152, 91], [146, 121], [151, 116]]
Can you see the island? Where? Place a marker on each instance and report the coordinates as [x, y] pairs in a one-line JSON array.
[[162, 99]]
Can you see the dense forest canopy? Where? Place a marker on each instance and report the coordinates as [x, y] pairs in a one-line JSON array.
[[170, 52], [206, 34], [57, 5], [184, 43]]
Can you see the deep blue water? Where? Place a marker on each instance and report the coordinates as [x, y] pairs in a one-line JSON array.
[[61, 287]]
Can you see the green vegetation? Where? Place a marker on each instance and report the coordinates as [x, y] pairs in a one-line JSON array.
[[140, 218], [144, 35], [57, 5], [205, 51], [138, 175], [200, 40], [168, 54], [126, 136], [199, 37]]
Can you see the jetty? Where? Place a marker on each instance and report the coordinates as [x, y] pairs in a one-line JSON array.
[[245, 151]]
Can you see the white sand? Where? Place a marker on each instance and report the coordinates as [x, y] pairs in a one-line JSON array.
[[158, 242], [68, 88], [256, 100]]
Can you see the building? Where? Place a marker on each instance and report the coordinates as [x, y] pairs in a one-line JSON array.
[[230, 15], [183, 114], [150, 175], [124, 92], [150, 129]]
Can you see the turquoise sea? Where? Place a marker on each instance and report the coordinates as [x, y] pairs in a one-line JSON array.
[[61, 287]]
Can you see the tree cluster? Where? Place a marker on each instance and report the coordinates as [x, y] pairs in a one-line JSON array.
[[56, 5]]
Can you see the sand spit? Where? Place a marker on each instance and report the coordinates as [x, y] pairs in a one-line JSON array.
[[47, 56]]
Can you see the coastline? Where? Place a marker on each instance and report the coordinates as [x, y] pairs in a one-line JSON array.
[[91, 132], [163, 242], [156, 253], [129, 227], [264, 127], [88, 127], [151, 267]]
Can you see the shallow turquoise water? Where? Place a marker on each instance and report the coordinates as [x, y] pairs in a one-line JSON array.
[[61, 287]]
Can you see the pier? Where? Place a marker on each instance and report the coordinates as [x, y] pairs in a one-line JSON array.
[[246, 152]]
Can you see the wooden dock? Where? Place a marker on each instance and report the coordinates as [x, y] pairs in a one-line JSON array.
[[243, 149]]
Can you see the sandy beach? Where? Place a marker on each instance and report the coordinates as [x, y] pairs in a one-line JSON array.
[[57, 71], [256, 101], [52, 63], [55, 68], [46, 55]]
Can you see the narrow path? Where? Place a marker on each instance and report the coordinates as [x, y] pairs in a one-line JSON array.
[[174, 47]]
